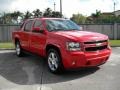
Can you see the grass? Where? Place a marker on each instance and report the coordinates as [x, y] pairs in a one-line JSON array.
[[115, 43], [10, 45], [7, 45]]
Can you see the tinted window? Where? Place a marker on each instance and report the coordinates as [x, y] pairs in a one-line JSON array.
[[28, 25], [38, 23], [56, 25]]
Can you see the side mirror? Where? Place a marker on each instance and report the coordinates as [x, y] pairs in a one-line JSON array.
[[37, 30], [81, 28]]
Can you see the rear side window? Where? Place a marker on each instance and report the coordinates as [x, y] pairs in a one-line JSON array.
[[38, 23], [28, 26]]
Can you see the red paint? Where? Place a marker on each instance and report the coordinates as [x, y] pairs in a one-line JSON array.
[[37, 42]]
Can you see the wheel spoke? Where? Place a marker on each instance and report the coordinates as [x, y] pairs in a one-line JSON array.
[[55, 65], [50, 59], [53, 61]]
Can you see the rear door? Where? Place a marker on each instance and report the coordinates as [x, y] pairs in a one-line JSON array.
[[25, 35]]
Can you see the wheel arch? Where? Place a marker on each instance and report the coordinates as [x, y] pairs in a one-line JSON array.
[[51, 46], [57, 48], [16, 40]]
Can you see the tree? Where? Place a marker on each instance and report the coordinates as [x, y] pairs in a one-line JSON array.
[[6, 18], [37, 13], [56, 14], [96, 16], [78, 18], [15, 15], [107, 19], [27, 15], [0, 18], [48, 13]]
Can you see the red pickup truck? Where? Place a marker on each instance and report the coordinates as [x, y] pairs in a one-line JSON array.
[[62, 42]]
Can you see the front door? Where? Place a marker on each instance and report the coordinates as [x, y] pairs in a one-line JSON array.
[[38, 39]]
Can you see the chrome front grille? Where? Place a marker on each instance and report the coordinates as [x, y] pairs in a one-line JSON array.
[[95, 45], [94, 42]]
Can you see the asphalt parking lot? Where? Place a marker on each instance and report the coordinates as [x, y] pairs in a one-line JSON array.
[[30, 73]]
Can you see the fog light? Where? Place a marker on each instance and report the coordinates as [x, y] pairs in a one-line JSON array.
[[73, 63]]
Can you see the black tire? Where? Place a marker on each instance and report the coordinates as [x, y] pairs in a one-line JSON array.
[[19, 51], [55, 63]]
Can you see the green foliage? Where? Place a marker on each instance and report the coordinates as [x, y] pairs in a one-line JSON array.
[[78, 18], [107, 19], [27, 15], [56, 14], [17, 16], [48, 13], [97, 17], [97, 14], [37, 13], [115, 43], [6, 18], [7, 45], [101, 18]]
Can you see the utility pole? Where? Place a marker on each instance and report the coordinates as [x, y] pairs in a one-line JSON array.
[[61, 7], [114, 8], [54, 6], [115, 24]]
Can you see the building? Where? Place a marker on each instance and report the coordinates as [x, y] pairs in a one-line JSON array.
[[117, 13]]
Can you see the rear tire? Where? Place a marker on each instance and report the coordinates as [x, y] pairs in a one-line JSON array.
[[19, 51], [54, 61]]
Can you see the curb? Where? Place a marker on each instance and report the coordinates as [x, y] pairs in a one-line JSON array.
[[6, 49], [115, 46]]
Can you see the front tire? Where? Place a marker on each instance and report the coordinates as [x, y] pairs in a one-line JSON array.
[[54, 61]]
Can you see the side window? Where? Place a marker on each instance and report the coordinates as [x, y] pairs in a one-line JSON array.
[[28, 26], [38, 23]]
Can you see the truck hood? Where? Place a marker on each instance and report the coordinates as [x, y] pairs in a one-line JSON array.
[[82, 36]]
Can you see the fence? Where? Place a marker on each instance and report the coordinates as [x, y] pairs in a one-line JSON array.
[[6, 32], [112, 30]]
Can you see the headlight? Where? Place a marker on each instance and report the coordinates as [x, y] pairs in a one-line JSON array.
[[73, 46]]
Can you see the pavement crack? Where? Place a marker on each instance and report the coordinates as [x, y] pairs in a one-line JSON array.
[[41, 79]]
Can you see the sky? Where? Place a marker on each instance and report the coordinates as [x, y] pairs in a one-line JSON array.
[[85, 7]]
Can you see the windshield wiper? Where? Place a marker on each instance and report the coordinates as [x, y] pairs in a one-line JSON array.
[[74, 29], [60, 29], [63, 29]]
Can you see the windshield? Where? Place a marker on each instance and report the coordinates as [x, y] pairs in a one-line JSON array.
[[64, 25]]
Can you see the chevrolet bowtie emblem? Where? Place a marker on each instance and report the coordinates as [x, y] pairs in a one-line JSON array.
[[98, 44]]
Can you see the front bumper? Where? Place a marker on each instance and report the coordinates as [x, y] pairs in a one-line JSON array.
[[85, 59]]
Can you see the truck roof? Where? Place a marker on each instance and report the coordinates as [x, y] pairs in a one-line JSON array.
[[45, 18]]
